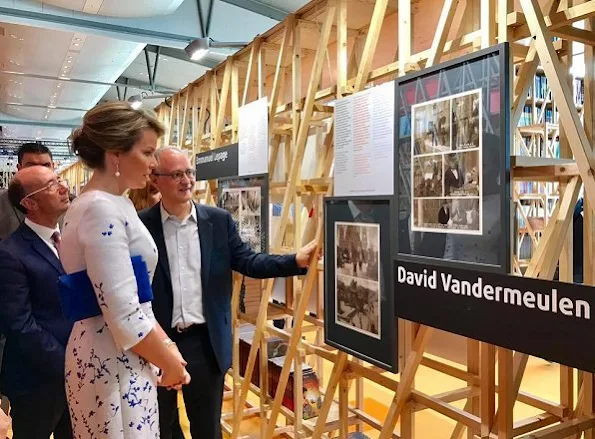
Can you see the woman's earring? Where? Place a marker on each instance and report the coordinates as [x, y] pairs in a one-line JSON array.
[[117, 174]]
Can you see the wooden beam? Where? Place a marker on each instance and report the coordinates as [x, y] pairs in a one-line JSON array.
[[553, 21], [404, 29], [444, 22], [370, 45], [407, 376], [341, 47], [289, 26], [575, 34], [564, 430], [488, 23], [254, 51], [223, 102]]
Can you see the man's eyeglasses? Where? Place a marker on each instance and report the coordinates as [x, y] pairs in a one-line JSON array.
[[178, 175], [52, 186]]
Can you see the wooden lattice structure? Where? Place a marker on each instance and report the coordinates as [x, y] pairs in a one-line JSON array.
[[329, 49]]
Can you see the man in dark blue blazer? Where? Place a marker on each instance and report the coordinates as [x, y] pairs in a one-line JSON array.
[[31, 315], [199, 247]]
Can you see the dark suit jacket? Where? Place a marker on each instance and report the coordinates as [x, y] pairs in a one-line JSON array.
[[452, 182], [31, 315], [222, 251]]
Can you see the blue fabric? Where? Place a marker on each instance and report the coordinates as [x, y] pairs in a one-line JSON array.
[[78, 297]]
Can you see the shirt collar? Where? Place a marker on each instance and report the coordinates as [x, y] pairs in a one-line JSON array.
[[42, 231], [165, 214]]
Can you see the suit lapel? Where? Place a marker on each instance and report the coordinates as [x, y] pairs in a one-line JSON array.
[[156, 229], [205, 234], [41, 247]]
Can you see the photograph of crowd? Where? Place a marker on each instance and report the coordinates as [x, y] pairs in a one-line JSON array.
[[446, 164], [244, 204], [465, 122], [357, 268], [458, 215], [357, 250], [432, 127]]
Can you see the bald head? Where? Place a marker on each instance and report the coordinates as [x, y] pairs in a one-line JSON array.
[[167, 156], [37, 191], [174, 177]]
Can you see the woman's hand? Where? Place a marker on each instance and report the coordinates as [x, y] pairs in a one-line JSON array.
[[174, 378], [176, 351]]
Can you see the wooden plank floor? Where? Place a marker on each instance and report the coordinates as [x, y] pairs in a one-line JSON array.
[[541, 379]]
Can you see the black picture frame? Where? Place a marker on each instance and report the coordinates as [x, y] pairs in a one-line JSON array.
[[243, 185], [377, 342], [480, 237]]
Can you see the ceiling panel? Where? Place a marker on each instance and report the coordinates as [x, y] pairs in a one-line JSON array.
[[119, 8], [285, 5], [58, 54]]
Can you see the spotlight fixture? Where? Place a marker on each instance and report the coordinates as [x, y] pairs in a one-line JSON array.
[[135, 101], [198, 48]]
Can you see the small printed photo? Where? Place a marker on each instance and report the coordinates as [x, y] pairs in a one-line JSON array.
[[358, 304], [427, 176], [462, 174], [431, 127], [357, 250], [250, 231], [230, 201], [251, 201], [461, 214], [466, 114]]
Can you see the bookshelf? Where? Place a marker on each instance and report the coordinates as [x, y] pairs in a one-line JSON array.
[[537, 136]]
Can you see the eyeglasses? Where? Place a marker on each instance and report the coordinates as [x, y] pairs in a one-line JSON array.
[[178, 175], [52, 186]]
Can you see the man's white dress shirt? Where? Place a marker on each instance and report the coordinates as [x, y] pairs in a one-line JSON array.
[[183, 253], [45, 233]]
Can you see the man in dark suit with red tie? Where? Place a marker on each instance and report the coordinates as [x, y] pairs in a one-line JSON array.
[[31, 316]]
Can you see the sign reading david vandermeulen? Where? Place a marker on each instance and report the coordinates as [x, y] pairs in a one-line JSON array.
[[547, 319]]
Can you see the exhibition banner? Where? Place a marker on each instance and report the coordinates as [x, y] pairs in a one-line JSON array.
[[547, 319], [218, 163]]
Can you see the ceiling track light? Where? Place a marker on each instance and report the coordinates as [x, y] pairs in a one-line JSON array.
[[198, 48], [136, 101]]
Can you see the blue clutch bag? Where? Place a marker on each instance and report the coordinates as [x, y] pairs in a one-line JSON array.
[[78, 297]]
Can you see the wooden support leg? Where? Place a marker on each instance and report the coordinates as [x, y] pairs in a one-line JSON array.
[[488, 387], [336, 375], [506, 394], [404, 390]]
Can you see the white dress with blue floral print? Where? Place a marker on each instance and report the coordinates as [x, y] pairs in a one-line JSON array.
[[111, 391]]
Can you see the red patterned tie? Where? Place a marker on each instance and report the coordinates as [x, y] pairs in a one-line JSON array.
[[56, 239]]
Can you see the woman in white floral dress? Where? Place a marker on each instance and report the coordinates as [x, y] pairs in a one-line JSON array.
[[113, 359]]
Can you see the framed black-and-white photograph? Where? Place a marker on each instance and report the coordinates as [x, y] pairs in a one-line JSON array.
[[452, 157], [359, 305], [357, 291], [246, 199]]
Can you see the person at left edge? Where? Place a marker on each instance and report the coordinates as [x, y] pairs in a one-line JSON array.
[[31, 315]]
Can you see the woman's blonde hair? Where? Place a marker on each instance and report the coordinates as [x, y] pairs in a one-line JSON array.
[[112, 126]]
